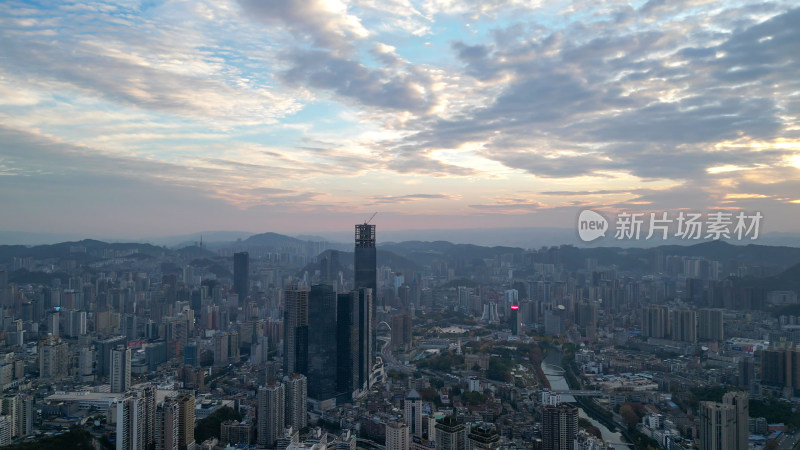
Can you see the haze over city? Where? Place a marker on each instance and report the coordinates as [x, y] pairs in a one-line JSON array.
[[137, 119]]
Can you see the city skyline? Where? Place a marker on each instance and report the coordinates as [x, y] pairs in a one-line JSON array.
[[154, 118]]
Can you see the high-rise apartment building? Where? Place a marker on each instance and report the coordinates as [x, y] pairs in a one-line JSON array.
[[270, 414], [559, 426], [120, 369], [241, 274], [683, 325], [711, 325], [741, 404], [655, 321], [296, 396], [53, 358], [397, 435], [167, 424], [185, 420], [717, 426]]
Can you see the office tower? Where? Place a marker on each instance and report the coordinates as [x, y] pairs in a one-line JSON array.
[[296, 396], [53, 358], [322, 342], [346, 345], [683, 325], [120, 369], [397, 435], [717, 426], [483, 436], [271, 408], [450, 435], [559, 426], [740, 402], [516, 323], [75, 323], [86, 357], [185, 420], [655, 322], [365, 334], [167, 424], [711, 328], [413, 413], [241, 274], [295, 331]]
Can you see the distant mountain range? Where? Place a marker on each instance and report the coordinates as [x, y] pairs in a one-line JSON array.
[[413, 256]]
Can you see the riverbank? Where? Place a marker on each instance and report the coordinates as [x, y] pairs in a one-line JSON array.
[[586, 407]]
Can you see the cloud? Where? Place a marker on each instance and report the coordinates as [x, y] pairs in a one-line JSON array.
[[411, 197], [328, 23]]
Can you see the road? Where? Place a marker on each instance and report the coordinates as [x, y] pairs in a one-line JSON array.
[[789, 441]]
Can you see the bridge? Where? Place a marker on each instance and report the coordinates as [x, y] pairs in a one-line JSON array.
[[580, 393]]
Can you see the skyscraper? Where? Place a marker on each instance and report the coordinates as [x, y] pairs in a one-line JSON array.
[[53, 358], [241, 274], [322, 315], [365, 336], [559, 426], [270, 413], [413, 413], [516, 323], [347, 368], [296, 395], [365, 262], [295, 331], [120, 369]]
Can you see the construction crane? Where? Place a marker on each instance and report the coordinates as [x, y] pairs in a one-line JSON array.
[[370, 219]]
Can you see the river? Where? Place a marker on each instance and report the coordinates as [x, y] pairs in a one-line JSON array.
[[559, 383]]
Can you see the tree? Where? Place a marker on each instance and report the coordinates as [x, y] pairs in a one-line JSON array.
[[628, 415], [210, 426]]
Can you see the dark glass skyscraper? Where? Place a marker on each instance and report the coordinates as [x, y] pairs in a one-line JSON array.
[[347, 319], [295, 331], [366, 262], [241, 274], [322, 346], [365, 336]]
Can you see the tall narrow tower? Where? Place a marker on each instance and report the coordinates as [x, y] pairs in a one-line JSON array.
[[366, 273], [241, 274]]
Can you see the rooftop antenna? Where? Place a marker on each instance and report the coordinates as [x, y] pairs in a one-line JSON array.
[[370, 219]]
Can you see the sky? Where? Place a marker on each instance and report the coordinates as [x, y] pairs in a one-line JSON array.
[[148, 118]]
